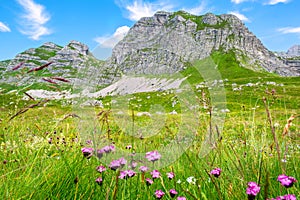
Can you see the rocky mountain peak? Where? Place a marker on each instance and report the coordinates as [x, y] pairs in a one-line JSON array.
[[71, 54], [51, 46], [61, 61], [293, 51], [165, 42], [210, 19], [80, 47], [291, 57]]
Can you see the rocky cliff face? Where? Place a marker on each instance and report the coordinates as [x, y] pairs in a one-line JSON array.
[[72, 54], [165, 42], [291, 57], [294, 63], [294, 51]]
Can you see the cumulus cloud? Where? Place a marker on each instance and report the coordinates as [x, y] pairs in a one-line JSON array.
[[4, 28], [197, 10], [287, 30], [139, 9], [34, 18], [111, 40], [240, 16], [273, 2]]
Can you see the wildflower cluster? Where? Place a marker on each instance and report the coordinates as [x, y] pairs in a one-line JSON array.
[[153, 156], [99, 181], [170, 175], [127, 174], [88, 151], [106, 149], [155, 174], [115, 164], [252, 189], [143, 169], [101, 169], [286, 181], [216, 172], [159, 194], [285, 197]]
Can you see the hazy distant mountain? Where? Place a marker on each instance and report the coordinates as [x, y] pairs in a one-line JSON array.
[[291, 57], [294, 51]]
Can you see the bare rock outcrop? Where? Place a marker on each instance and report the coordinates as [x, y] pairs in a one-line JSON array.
[[165, 42]]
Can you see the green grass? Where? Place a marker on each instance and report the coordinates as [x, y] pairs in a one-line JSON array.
[[33, 168], [44, 54], [36, 169]]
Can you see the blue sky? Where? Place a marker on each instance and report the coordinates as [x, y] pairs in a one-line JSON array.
[[102, 23]]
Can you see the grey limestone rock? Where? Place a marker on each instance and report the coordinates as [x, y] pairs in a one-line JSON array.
[[67, 62], [291, 57], [294, 51], [165, 42]]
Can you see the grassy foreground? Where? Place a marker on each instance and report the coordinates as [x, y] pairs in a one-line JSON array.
[[45, 155]]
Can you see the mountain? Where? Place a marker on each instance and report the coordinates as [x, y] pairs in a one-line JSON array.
[[166, 42], [67, 62], [163, 44], [294, 51], [291, 57]]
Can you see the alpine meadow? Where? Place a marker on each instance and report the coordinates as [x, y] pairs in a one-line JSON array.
[[186, 107]]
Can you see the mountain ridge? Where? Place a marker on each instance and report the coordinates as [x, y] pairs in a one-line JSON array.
[[67, 62], [162, 44], [155, 43]]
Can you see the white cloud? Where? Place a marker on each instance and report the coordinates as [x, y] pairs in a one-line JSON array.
[[273, 2], [4, 28], [197, 10], [238, 1], [139, 9], [270, 2], [111, 40], [287, 30], [34, 19], [240, 16]]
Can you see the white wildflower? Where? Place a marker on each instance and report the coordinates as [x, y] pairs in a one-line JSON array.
[[276, 124], [173, 112], [191, 180]]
